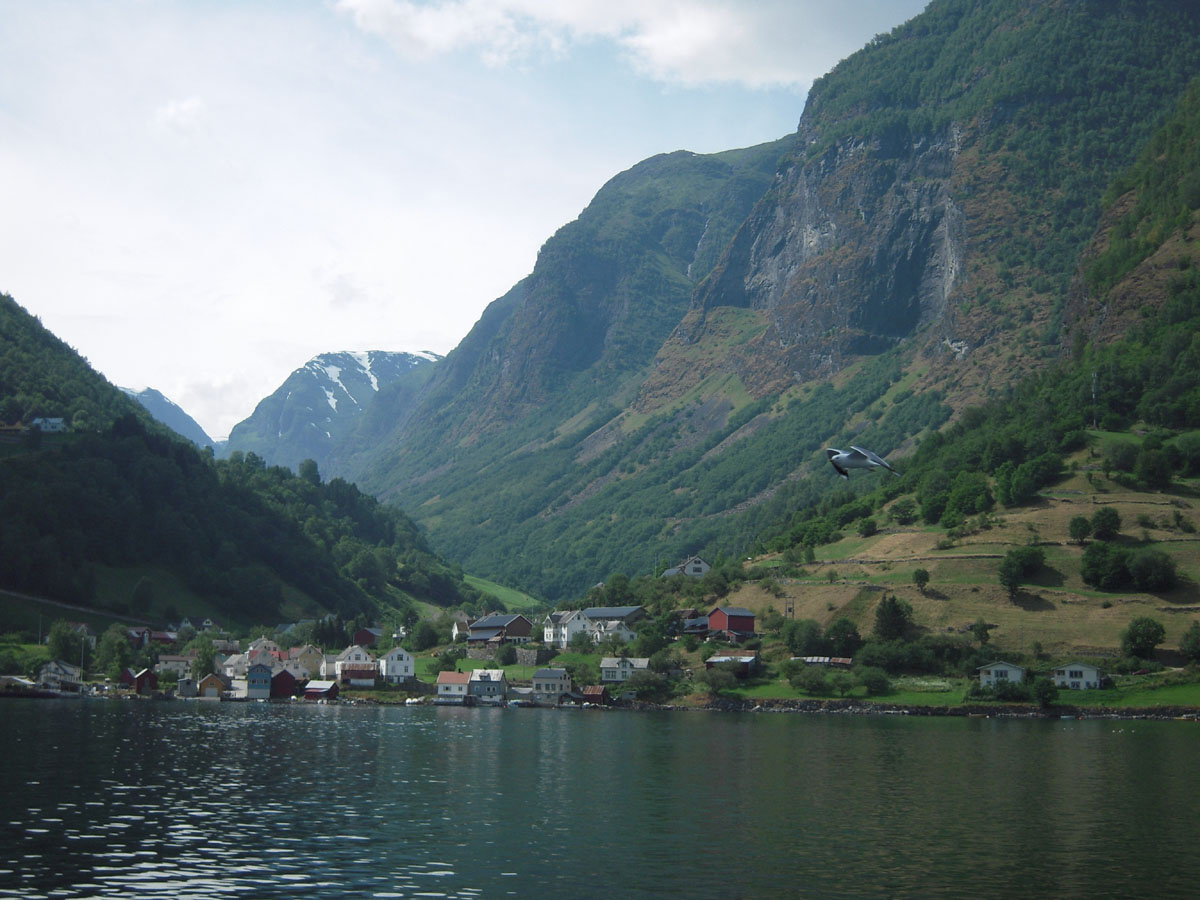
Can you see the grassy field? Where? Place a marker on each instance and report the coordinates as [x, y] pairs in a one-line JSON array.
[[514, 601], [1055, 609]]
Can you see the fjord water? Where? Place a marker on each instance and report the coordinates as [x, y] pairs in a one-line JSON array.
[[197, 800]]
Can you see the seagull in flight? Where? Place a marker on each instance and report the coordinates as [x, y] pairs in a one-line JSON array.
[[856, 458]]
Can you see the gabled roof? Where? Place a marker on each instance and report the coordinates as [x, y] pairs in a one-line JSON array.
[[550, 673], [345, 654], [733, 611], [453, 677], [614, 662], [496, 620], [1000, 662], [610, 612], [488, 675]]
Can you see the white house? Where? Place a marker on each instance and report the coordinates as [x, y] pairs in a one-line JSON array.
[[549, 685], [621, 668], [694, 568], [993, 673], [235, 666], [354, 657], [180, 665], [561, 625], [60, 676], [452, 687], [488, 685], [51, 425], [612, 621], [1078, 676], [396, 665]]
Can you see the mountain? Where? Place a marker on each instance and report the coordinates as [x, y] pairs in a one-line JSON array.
[[172, 415], [121, 515], [663, 380], [320, 404]]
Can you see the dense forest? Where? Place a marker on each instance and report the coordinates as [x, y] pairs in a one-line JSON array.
[[118, 491]]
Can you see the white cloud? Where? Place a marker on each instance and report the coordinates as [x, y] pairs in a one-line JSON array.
[[180, 116], [768, 43]]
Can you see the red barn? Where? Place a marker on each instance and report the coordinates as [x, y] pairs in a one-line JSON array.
[[283, 684], [734, 621]]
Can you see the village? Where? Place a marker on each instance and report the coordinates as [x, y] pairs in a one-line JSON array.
[[266, 671]]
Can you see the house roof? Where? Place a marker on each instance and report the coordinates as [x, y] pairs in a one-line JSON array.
[[345, 654], [319, 686], [610, 612], [594, 690], [488, 675], [453, 677], [484, 634], [496, 620], [733, 611], [550, 673], [1000, 663], [613, 662]]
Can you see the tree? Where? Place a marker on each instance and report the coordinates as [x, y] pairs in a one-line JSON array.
[[920, 579], [717, 679], [893, 619], [1045, 691], [1189, 644], [980, 630], [308, 471], [811, 680], [1105, 565], [203, 663], [842, 637], [507, 654], [842, 682], [113, 653], [1152, 570], [1019, 563], [804, 638], [1141, 637], [67, 644], [1106, 523], [425, 635], [875, 680], [1080, 529]]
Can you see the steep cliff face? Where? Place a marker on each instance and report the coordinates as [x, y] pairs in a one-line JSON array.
[[663, 380]]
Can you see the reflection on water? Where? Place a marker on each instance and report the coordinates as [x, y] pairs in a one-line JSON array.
[[218, 800]]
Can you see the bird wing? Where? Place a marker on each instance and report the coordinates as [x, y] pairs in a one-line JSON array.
[[872, 457]]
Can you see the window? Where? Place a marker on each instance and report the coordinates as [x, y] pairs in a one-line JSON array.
[[1075, 673]]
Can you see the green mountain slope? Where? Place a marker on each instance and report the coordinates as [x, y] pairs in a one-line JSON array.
[[908, 254], [646, 394], [249, 541]]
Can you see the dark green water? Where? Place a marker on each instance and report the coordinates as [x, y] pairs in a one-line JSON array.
[[194, 800]]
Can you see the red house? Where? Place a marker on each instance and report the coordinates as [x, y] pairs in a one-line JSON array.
[[283, 684], [367, 637], [735, 622], [145, 681]]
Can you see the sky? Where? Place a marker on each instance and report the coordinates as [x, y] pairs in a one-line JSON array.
[[201, 195]]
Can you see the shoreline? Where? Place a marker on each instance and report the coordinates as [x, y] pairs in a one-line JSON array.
[[858, 707]]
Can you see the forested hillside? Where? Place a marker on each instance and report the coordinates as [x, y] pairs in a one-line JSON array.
[[646, 394], [251, 542]]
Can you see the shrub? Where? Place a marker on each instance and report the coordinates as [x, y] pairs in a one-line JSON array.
[[811, 680], [874, 680], [1105, 566]]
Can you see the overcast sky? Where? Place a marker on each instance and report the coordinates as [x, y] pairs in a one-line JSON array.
[[201, 196]]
